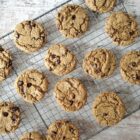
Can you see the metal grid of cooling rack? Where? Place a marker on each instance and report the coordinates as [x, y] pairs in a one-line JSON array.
[[39, 116]]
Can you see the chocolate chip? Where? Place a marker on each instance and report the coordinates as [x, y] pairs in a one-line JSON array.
[[71, 130], [87, 71], [71, 102], [98, 70], [29, 84], [133, 64], [137, 77], [58, 124], [33, 25], [53, 56], [132, 33], [1, 49], [73, 17], [5, 114], [54, 132], [58, 61], [105, 114], [14, 117], [29, 22], [15, 109], [20, 83]]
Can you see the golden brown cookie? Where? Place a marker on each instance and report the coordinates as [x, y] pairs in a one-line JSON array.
[[71, 94], [122, 28], [34, 135], [62, 130], [29, 36], [72, 21], [108, 109], [31, 85], [60, 60], [9, 117], [99, 63], [101, 6], [5, 64], [130, 67]]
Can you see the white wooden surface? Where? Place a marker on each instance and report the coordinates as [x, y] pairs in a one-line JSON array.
[[14, 11]]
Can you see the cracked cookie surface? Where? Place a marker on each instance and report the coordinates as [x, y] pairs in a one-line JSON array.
[[62, 130], [5, 64], [130, 67], [34, 135], [31, 85], [29, 36], [71, 94], [101, 6], [72, 21], [9, 117], [108, 109], [59, 60], [122, 28], [99, 63]]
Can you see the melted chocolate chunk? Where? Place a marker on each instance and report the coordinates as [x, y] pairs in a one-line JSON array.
[[5, 114], [29, 84]]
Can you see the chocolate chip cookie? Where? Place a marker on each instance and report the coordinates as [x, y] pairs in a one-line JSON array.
[[108, 109], [60, 60], [99, 63], [62, 130], [130, 67], [9, 117], [5, 63], [72, 21], [71, 94], [122, 28], [29, 36], [101, 6], [31, 85], [32, 136]]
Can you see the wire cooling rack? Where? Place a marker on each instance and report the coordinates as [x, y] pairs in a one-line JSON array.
[[40, 115]]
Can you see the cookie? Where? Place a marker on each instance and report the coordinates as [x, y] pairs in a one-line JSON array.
[[32, 136], [108, 109], [99, 63], [72, 21], [31, 85], [29, 36], [9, 117], [71, 94], [5, 64], [122, 28], [130, 67], [60, 60], [101, 6], [62, 130]]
